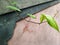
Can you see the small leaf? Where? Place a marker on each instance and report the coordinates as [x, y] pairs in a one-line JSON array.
[[13, 8], [51, 22], [14, 3], [42, 17], [32, 16]]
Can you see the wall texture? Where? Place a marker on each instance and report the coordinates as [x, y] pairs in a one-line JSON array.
[[20, 3]]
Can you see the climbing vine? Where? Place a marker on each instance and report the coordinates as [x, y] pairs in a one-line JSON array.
[[49, 19]]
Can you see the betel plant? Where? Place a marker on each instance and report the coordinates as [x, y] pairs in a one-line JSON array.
[[49, 19], [13, 7]]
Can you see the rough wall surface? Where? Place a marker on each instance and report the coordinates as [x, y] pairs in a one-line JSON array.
[[8, 21], [20, 3], [37, 34]]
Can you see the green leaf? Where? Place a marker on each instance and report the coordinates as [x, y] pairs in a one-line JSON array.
[[32, 16], [51, 21], [13, 8], [42, 17], [14, 3]]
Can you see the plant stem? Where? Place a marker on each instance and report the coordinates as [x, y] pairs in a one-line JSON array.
[[34, 22], [44, 21]]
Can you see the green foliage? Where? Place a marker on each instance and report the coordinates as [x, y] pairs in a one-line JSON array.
[[14, 3], [32, 16], [13, 8], [42, 17], [50, 21]]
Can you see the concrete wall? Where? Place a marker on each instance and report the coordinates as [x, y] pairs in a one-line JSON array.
[[35, 34]]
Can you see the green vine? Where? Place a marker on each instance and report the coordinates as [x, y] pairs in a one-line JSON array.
[[49, 19]]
